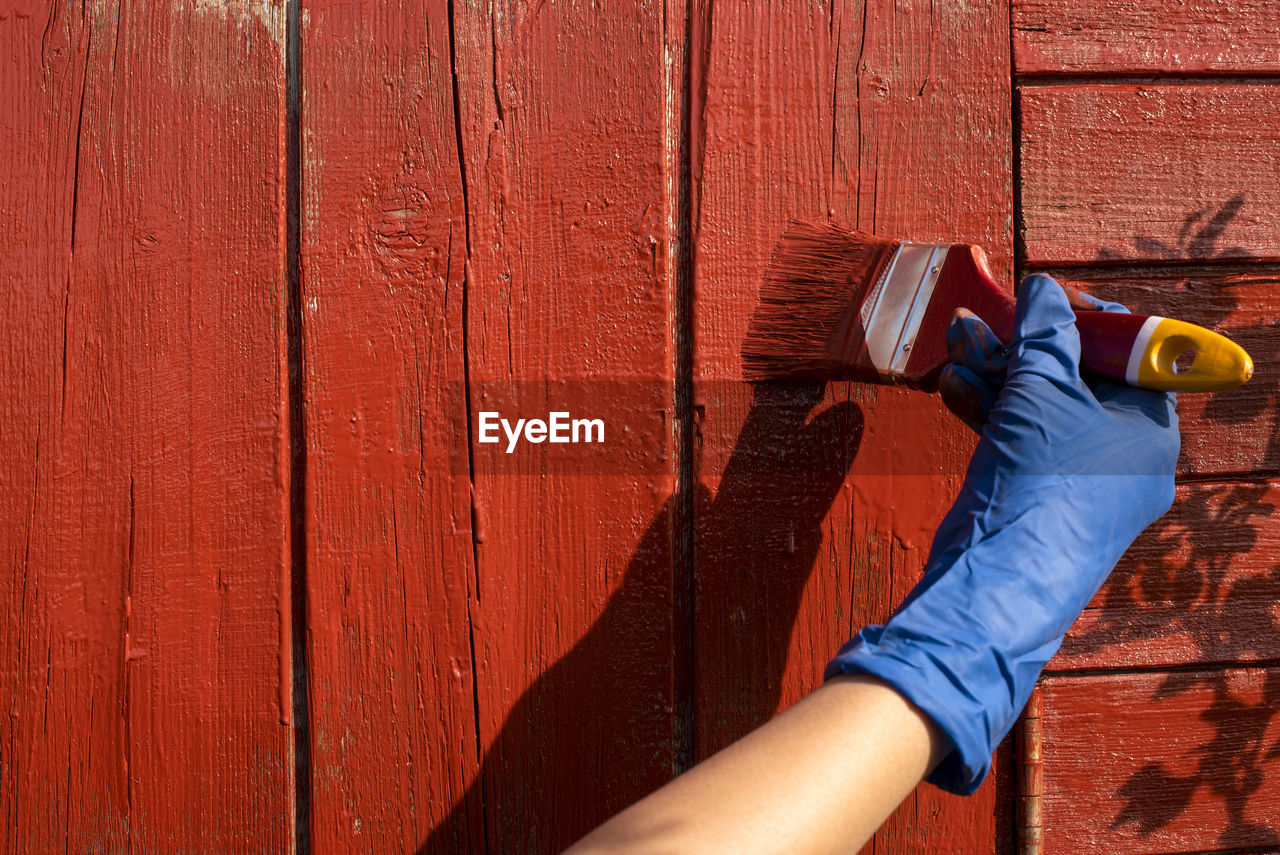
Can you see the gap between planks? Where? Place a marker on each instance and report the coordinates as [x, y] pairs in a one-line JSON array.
[[684, 579], [1187, 668], [1037, 80], [473, 600], [297, 433], [1155, 269]]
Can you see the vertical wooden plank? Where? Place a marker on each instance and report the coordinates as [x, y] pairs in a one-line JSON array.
[[488, 225], [819, 506], [146, 655], [569, 124], [390, 575]]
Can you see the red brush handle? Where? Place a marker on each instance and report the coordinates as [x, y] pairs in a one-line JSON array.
[[1106, 338]]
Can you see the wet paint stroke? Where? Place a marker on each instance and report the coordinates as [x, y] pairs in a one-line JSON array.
[[146, 661]]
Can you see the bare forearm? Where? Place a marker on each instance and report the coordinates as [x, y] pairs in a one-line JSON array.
[[820, 778]]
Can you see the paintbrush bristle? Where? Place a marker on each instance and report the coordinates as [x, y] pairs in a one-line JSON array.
[[809, 299]]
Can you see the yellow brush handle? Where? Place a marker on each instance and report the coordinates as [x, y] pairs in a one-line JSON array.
[[1219, 362]]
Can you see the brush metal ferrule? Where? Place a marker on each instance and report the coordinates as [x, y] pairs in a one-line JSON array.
[[892, 312]]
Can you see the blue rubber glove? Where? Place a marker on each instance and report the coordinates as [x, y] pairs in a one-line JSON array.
[[1065, 476]]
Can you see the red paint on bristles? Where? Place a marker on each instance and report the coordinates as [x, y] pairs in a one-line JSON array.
[[806, 319]]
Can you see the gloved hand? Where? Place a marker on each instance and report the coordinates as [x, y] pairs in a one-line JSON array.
[[1065, 476]]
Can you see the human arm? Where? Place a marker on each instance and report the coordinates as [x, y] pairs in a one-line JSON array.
[[1065, 476], [819, 778]]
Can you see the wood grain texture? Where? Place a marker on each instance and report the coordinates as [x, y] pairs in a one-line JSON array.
[[1231, 433], [1198, 587], [146, 647], [390, 575], [489, 220], [1131, 173], [1152, 36], [571, 129], [816, 508], [1175, 762]]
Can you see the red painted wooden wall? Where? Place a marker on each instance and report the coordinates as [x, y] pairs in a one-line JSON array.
[[265, 264], [1148, 171], [146, 656]]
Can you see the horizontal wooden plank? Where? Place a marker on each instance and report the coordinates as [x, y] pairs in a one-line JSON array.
[[1199, 586], [1148, 763], [1150, 36], [1152, 172], [1224, 432]]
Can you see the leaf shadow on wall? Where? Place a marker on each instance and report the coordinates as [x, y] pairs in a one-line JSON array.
[[602, 726], [1228, 616], [1198, 242], [1228, 620]]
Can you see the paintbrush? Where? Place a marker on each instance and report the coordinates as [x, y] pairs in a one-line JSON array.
[[838, 304]]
